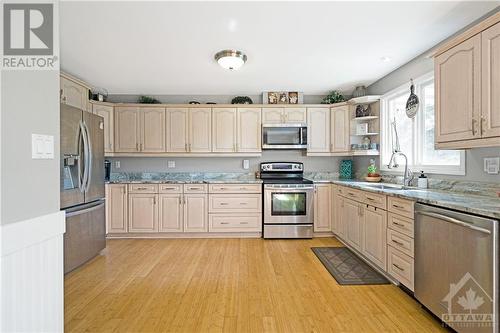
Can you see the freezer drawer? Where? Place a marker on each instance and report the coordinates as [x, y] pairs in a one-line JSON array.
[[85, 234]]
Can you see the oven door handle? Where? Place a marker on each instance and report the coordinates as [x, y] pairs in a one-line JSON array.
[[284, 189]]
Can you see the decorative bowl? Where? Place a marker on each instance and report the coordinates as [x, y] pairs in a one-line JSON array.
[[373, 179]]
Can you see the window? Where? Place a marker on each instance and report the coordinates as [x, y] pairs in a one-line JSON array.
[[416, 136]]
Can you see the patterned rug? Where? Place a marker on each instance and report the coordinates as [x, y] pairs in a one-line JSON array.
[[346, 267]]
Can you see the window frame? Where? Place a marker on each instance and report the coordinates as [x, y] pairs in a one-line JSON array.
[[418, 133]]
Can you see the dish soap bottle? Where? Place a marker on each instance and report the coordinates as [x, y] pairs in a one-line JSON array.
[[422, 180]]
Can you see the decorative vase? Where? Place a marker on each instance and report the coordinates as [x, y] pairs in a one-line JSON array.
[[359, 91]]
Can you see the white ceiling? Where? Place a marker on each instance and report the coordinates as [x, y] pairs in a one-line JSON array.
[[168, 47]]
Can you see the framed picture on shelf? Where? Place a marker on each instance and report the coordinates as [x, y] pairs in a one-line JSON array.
[[282, 97]]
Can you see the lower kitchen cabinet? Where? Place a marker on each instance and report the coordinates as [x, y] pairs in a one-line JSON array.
[[170, 213], [322, 208], [340, 229], [374, 242], [116, 208], [195, 213], [142, 212], [351, 215]]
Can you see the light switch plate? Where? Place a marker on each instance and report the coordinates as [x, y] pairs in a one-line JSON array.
[[117, 164], [492, 165], [246, 164], [42, 147], [171, 164]]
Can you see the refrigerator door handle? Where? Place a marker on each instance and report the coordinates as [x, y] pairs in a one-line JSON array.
[[83, 181], [89, 159], [90, 208]]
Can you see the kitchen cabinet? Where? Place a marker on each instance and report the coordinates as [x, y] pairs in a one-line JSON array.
[[352, 216], [290, 115], [116, 208], [374, 244], [490, 43], [322, 207], [171, 212], [224, 129], [195, 213], [127, 131], [458, 92], [340, 129], [74, 94], [200, 129], [249, 134], [142, 212], [107, 113], [139, 129], [318, 130], [177, 129]]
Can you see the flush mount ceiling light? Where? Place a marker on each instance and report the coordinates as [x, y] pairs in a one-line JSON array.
[[230, 59]]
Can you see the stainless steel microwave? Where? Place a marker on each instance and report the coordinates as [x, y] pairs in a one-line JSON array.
[[284, 136]]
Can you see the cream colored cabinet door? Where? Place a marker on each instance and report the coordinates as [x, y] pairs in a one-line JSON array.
[[177, 130], [170, 213], [295, 115], [490, 119], [318, 130], [106, 112], [127, 129], [322, 207], [272, 115], [74, 94], [152, 130], [249, 130], [224, 130], [374, 235], [116, 208], [352, 218], [339, 129], [142, 212], [196, 213], [339, 215], [457, 80], [200, 130], [333, 213]]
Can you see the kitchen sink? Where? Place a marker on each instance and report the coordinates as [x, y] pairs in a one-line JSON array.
[[385, 186]]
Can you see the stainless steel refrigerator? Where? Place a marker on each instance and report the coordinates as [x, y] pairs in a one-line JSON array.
[[82, 185]]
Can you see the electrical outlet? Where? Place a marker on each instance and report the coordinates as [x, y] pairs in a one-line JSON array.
[[246, 164], [117, 164], [492, 165], [171, 164]]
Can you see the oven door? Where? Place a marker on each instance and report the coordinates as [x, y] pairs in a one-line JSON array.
[[288, 204], [284, 136]]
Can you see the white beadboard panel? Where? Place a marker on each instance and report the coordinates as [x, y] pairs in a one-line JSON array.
[[31, 275]]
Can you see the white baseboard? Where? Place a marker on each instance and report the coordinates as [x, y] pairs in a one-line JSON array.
[[31, 275]]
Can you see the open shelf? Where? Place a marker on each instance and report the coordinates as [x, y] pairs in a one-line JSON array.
[[364, 99], [368, 152], [367, 118], [366, 134]]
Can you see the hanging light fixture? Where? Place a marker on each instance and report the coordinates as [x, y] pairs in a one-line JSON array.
[[230, 59]]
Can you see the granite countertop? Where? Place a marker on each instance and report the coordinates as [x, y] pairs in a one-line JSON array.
[[183, 178], [464, 202]]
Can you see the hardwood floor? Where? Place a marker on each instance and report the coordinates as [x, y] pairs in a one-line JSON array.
[[228, 285]]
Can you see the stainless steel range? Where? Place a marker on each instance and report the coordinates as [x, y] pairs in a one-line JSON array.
[[288, 201]]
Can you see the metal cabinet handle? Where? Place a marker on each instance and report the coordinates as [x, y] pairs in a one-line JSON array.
[[399, 243], [398, 224], [397, 206], [224, 203], [224, 223], [483, 125], [186, 147], [243, 222], [474, 122], [169, 188], [141, 188], [401, 269], [371, 199], [243, 203], [455, 221], [195, 188]]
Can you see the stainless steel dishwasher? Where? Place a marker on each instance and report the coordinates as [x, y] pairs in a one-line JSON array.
[[456, 267]]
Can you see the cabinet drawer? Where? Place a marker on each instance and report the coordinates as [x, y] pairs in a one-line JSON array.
[[351, 193], [195, 188], [143, 188], [235, 203], [235, 223], [401, 206], [235, 188], [170, 188], [400, 242], [402, 224], [400, 266], [376, 200]]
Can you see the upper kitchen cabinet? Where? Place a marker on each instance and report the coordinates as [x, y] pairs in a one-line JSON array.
[[284, 115], [249, 134], [339, 129], [177, 129], [490, 40], [106, 111], [139, 129], [74, 92], [318, 130], [467, 84], [200, 130], [224, 128]]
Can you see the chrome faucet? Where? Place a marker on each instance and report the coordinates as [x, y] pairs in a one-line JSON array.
[[396, 150]]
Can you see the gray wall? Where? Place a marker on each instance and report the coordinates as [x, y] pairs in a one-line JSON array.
[[30, 104], [224, 164]]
